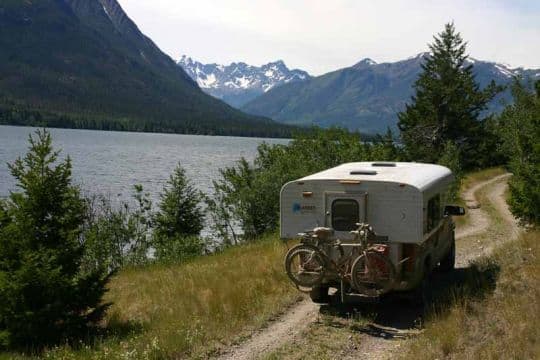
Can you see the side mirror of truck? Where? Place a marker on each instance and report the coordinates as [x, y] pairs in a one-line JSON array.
[[454, 210]]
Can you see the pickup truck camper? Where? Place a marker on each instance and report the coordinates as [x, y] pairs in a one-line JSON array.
[[368, 228]]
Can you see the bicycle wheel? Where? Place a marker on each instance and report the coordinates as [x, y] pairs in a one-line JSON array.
[[373, 274], [305, 265]]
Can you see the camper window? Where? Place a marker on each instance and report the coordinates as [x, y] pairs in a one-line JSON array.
[[345, 214], [433, 212]]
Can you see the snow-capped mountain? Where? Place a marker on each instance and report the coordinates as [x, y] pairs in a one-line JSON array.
[[238, 83], [501, 71]]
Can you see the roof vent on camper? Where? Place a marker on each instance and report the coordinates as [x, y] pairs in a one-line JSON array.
[[363, 172], [384, 164]]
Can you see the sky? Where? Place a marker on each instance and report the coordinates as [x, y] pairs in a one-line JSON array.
[[324, 35]]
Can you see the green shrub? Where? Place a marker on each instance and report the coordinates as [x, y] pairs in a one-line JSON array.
[[45, 296], [181, 248], [520, 131], [118, 236]]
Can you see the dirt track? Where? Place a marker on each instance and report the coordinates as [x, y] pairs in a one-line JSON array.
[[388, 334], [284, 329]]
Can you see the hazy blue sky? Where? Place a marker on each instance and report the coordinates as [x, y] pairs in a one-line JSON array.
[[324, 35]]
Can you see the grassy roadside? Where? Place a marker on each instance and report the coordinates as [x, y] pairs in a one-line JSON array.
[[500, 325], [191, 309]]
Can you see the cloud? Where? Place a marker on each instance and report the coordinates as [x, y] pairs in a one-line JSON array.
[[321, 36]]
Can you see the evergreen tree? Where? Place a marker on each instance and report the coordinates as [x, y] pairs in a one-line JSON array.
[[447, 105], [44, 294], [179, 219]]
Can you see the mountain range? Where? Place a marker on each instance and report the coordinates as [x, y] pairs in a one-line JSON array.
[[366, 96], [85, 63], [238, 83]]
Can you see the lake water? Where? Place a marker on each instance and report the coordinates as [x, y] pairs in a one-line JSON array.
[[110, 163]]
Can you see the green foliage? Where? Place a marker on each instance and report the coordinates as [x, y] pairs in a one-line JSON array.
[[179, 220], [520, 130], [489, 152], [247, 195], [120, 236], [124, 235], [44, 293], [220, 208], [447, 106], [450, 158], [180, 248]]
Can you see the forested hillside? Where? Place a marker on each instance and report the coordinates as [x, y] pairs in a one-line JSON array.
[[366, 96], [85, 64]]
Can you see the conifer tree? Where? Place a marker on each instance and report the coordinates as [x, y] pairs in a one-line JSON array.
[[179, 211], [448, 103], [45, 297], [179, 219]]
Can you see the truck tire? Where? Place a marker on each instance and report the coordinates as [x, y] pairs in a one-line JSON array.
[[448, 263], [319, 294], [422, 295]]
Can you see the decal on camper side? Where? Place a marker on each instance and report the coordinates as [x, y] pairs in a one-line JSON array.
[[303, 208]]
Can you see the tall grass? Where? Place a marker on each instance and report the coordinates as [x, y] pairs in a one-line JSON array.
[[190, 309], [503, 325]]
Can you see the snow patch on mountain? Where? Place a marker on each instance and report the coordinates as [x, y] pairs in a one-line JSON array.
[[240, 75], [504, 70], [106, 12]]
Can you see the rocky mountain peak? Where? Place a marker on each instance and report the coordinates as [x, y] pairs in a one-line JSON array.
[[239, 82]]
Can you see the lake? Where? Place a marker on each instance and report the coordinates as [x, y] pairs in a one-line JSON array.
[[110, 163]]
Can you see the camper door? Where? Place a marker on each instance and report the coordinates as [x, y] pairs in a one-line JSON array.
[[344, 211]]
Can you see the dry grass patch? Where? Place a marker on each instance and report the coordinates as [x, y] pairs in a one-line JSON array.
[[190, 309], [501, 325]]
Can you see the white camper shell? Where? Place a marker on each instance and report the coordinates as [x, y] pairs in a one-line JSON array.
[[403, 202]]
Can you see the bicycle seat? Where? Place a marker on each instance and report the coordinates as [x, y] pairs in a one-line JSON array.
[[323, 233]]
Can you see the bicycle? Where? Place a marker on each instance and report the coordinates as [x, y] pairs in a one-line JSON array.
[[364, 267], [372, 273]]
